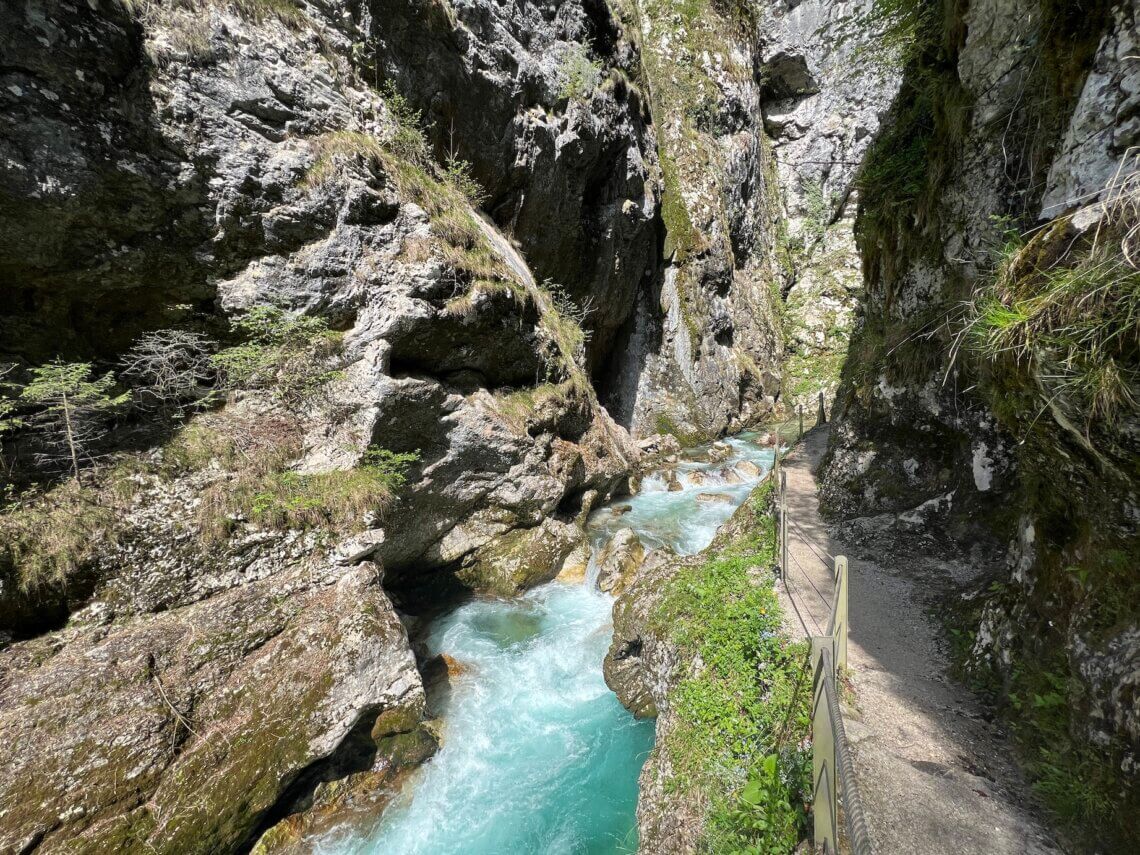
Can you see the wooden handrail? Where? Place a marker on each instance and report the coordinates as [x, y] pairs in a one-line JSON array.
[[833, 776]]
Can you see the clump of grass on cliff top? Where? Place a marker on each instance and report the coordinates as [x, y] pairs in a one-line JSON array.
[[288, 12], [742, 716], [253, 455], [1062, 317], [340, 499]]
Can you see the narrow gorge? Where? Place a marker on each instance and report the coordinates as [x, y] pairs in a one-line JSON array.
[[389, 391]]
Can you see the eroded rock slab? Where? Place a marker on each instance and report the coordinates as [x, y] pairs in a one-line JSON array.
[[180, 731]]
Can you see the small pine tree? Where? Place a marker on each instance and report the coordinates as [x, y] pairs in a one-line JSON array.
[[75, 407], [9, 420]]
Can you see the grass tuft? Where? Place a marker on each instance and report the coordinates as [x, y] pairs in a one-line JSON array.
[[46, 537], [1063, 315]]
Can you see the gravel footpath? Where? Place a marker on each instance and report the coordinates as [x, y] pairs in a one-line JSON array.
[[933, 774]]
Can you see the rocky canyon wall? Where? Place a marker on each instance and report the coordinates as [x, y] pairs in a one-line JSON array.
[[503, 216], [992, 378]]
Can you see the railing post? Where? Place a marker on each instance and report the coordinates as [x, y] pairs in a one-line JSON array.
[[839, 612], [801, 409], [784, 521], [822, 417], [824, 798]]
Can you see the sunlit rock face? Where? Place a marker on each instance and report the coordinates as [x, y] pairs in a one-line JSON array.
[[176, 163], [542, 100]]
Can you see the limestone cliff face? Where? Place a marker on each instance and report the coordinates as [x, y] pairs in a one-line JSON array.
[[615, 240], [703, 344], [824, 94], [169, 164], [1004, 126]]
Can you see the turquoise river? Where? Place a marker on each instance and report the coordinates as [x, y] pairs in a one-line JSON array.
[[537, 754]]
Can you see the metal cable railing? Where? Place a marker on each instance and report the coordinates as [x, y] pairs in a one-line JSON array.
[[833, 771]]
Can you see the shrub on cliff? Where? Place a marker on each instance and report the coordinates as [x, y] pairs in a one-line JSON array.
[[580, 74], [169, 371], [290, 354]]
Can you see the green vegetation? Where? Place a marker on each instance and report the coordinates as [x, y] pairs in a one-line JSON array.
[[742, 718], [1064, 318], [288, 12], [458, 174], [561, 322], [805, 374], [72, 407], [522, 407], [255, 454], [334, 148], [407, 139], [912, 155], [580, 74], [339, 499], [681, 236], [1045, 705], [287, 353], [10, 420], [664, 424], [47, 536], [48, 533]]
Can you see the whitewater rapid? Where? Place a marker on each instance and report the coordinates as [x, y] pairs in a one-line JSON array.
[[537, 754]]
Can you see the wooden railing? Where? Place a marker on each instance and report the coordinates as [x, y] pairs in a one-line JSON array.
[[836, 805], [833, 777]]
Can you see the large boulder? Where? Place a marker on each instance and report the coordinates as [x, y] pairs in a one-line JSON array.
[[522, 558], [184, 730]]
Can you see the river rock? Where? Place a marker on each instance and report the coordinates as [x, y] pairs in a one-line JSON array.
[[730, 475], [748, 469], [659, 444], [719, 451], [574, 566], [638, 665], [521, 558], [714, 498], [619, 560]]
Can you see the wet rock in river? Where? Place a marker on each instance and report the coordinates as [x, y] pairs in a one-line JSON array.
[[574, 566], [714, 498], [748, 469], [521, 558], [730, 475], [619, 561]]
